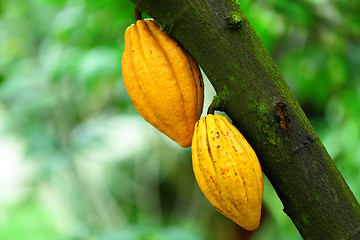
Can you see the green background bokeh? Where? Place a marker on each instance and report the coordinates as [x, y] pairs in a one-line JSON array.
[[77, 160]]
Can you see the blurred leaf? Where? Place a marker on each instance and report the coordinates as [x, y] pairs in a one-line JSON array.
[[152, 232], [29, 219]]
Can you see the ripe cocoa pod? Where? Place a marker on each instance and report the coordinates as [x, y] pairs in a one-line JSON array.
[[227, 170], [163, 81]]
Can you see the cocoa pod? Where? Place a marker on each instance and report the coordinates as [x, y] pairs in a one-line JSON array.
[[162, 80], [227, 170]]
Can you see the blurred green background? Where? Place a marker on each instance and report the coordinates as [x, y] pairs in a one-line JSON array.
[[78, 162]]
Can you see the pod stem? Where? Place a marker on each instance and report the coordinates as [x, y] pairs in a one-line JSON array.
[[217, 104], [212, 107], [137, 14]]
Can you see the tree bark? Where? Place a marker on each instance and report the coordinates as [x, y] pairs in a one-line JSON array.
[[252, 92]]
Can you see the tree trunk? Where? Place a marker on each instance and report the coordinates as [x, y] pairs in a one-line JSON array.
[[254, 95]]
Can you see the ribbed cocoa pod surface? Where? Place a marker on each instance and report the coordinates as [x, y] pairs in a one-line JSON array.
[[227, 170], [162, 80]]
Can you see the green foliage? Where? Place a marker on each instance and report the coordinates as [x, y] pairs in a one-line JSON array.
[[78, 162], [21, 223]]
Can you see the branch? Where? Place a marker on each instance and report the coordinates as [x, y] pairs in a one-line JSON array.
[[255, 96]]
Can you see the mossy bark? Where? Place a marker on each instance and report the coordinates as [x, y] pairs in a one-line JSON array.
[[259, 102]]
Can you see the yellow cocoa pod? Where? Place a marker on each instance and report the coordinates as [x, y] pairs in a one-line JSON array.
[[227, 170], [162, 80]]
